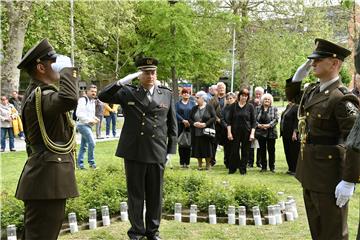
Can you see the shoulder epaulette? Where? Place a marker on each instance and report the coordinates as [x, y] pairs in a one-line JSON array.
[[344, 90], [47, 91], [164, 87]]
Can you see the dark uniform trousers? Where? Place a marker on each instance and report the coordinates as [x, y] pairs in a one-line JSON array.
[[144, 182], [47, 215], [322, 211], [291, 149]]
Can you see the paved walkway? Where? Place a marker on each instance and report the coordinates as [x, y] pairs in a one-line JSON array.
[[20, 144]]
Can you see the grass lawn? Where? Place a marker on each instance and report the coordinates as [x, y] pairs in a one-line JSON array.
[[12, 163]]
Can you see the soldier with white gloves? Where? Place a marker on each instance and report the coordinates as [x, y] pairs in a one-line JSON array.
[[326, 169]]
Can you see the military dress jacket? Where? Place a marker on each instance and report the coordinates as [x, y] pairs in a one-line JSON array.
[[330, 115], [150, 128], [48, 175]]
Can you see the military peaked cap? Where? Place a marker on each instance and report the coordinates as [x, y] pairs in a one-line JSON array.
[[41, 51], [326, 49], [146, 63]]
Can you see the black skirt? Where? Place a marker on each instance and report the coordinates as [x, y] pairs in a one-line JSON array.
[[201, 147]]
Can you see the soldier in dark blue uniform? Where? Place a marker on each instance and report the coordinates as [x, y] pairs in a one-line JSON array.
[[148, 135]]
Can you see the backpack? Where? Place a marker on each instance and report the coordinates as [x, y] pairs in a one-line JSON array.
[[74, 117]]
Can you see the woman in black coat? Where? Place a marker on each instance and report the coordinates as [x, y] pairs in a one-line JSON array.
[[230, 99], [202, 116], [290, 135], [241, 131]]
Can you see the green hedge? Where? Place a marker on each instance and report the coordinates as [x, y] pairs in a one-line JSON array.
[[107, 186]]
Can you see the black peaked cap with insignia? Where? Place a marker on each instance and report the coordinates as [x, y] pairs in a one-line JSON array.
[[146, 63], [326, 49], [41, 51]]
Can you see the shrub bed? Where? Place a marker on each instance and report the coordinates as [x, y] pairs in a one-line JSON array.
[[107, 186]]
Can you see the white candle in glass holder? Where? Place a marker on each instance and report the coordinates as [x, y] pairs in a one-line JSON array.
[[73, 223], [288, 211], [271, 215], [294, 209], [278, 215], [231, 215], [242, 215], [92, 218], [11, 232], [257, 216], [281, 200], [212, 214], [105, 215], [177, 214], [124, 212], [193, 213]]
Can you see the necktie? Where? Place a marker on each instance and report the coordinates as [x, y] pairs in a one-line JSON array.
[[315, 91], [148, 95]]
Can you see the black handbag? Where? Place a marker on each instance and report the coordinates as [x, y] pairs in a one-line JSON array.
[[184, 139]]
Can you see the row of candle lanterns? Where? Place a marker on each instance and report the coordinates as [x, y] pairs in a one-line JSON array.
[[274, 215], [93, 217]]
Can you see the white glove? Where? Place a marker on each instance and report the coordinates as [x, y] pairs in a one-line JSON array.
[[61, 62], [343, 191], [302, 71], [128, 78]]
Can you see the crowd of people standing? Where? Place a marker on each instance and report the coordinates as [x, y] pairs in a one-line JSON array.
[[240, 125]]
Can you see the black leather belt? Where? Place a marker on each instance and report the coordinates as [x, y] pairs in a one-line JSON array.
[[317, 140]]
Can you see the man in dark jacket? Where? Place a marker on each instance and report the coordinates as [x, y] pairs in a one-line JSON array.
[[327, 171], [148, 135], [48, 177]]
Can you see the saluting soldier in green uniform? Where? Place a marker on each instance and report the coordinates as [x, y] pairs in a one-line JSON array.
[[326, 169], [48, 177], [148, 135]]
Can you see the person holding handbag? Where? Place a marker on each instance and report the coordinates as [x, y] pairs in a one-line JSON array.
[[202, 117], [183, 109], [266, 133]]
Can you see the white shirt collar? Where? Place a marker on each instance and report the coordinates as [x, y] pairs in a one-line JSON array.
[[327, 83], [151, 90]]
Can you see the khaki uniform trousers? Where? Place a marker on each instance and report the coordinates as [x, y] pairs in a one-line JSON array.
[[326, 220]]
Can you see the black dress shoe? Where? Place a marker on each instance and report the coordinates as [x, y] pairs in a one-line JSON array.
[[138, 238], [154, 238], [232, 171]]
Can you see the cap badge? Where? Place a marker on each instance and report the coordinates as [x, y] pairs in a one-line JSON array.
[[149, 61]]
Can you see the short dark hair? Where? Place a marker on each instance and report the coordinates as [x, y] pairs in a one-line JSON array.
[[244, 91]]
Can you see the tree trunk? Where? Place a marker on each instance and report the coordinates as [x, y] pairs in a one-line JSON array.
[[18, 14], [241, 46]]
